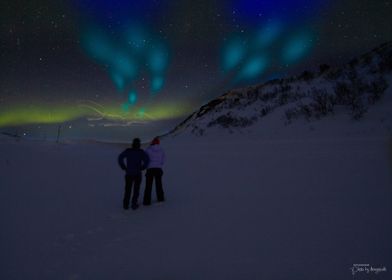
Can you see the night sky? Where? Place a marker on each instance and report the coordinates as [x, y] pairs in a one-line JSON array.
[[113, 70]]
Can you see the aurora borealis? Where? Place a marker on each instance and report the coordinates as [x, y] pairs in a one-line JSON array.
[[142, 66], [31, 114]]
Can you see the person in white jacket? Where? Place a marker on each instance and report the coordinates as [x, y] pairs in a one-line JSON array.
[[154, 171]]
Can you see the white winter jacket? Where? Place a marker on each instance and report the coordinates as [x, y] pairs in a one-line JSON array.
[[156, 155]]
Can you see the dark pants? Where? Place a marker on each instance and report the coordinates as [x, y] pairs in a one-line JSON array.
[[132, 181], [151, 174]]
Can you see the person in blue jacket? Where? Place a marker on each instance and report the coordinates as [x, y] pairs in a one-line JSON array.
[[136, 161]]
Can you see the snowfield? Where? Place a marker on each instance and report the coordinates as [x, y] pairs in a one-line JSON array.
[[239, 207], [247, 200]]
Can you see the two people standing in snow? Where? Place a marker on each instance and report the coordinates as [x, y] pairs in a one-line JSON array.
[[138, 160]]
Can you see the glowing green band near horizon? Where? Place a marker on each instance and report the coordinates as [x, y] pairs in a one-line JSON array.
[[45, 114]]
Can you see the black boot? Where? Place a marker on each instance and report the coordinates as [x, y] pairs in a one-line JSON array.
[[135, 206]]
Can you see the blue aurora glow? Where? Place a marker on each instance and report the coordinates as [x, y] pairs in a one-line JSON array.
[[125, 57], [275, 34], [297, 48], [254, 67], [157, 84], [132, 97], [269, 34], [251, 56], [116, 36], [251, 11], [233, 54]]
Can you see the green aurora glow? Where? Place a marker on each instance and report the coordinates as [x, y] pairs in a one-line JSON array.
[[51, 114]]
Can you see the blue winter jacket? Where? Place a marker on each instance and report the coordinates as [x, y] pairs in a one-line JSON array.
[[136, 161]]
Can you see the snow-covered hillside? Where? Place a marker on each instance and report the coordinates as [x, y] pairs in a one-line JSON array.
[[348, 93]]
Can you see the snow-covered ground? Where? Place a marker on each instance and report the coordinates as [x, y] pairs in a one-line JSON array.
[[247, 206], [271, 200]]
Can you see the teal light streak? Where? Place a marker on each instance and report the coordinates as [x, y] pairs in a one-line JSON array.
[[132, 98], [297, 48], [254, 67], [126, 56], [124, 64], [158, 60], [118, 80], [234, 53], [157, 84]]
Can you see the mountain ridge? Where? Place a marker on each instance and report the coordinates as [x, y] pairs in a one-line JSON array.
[[352, 88]]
